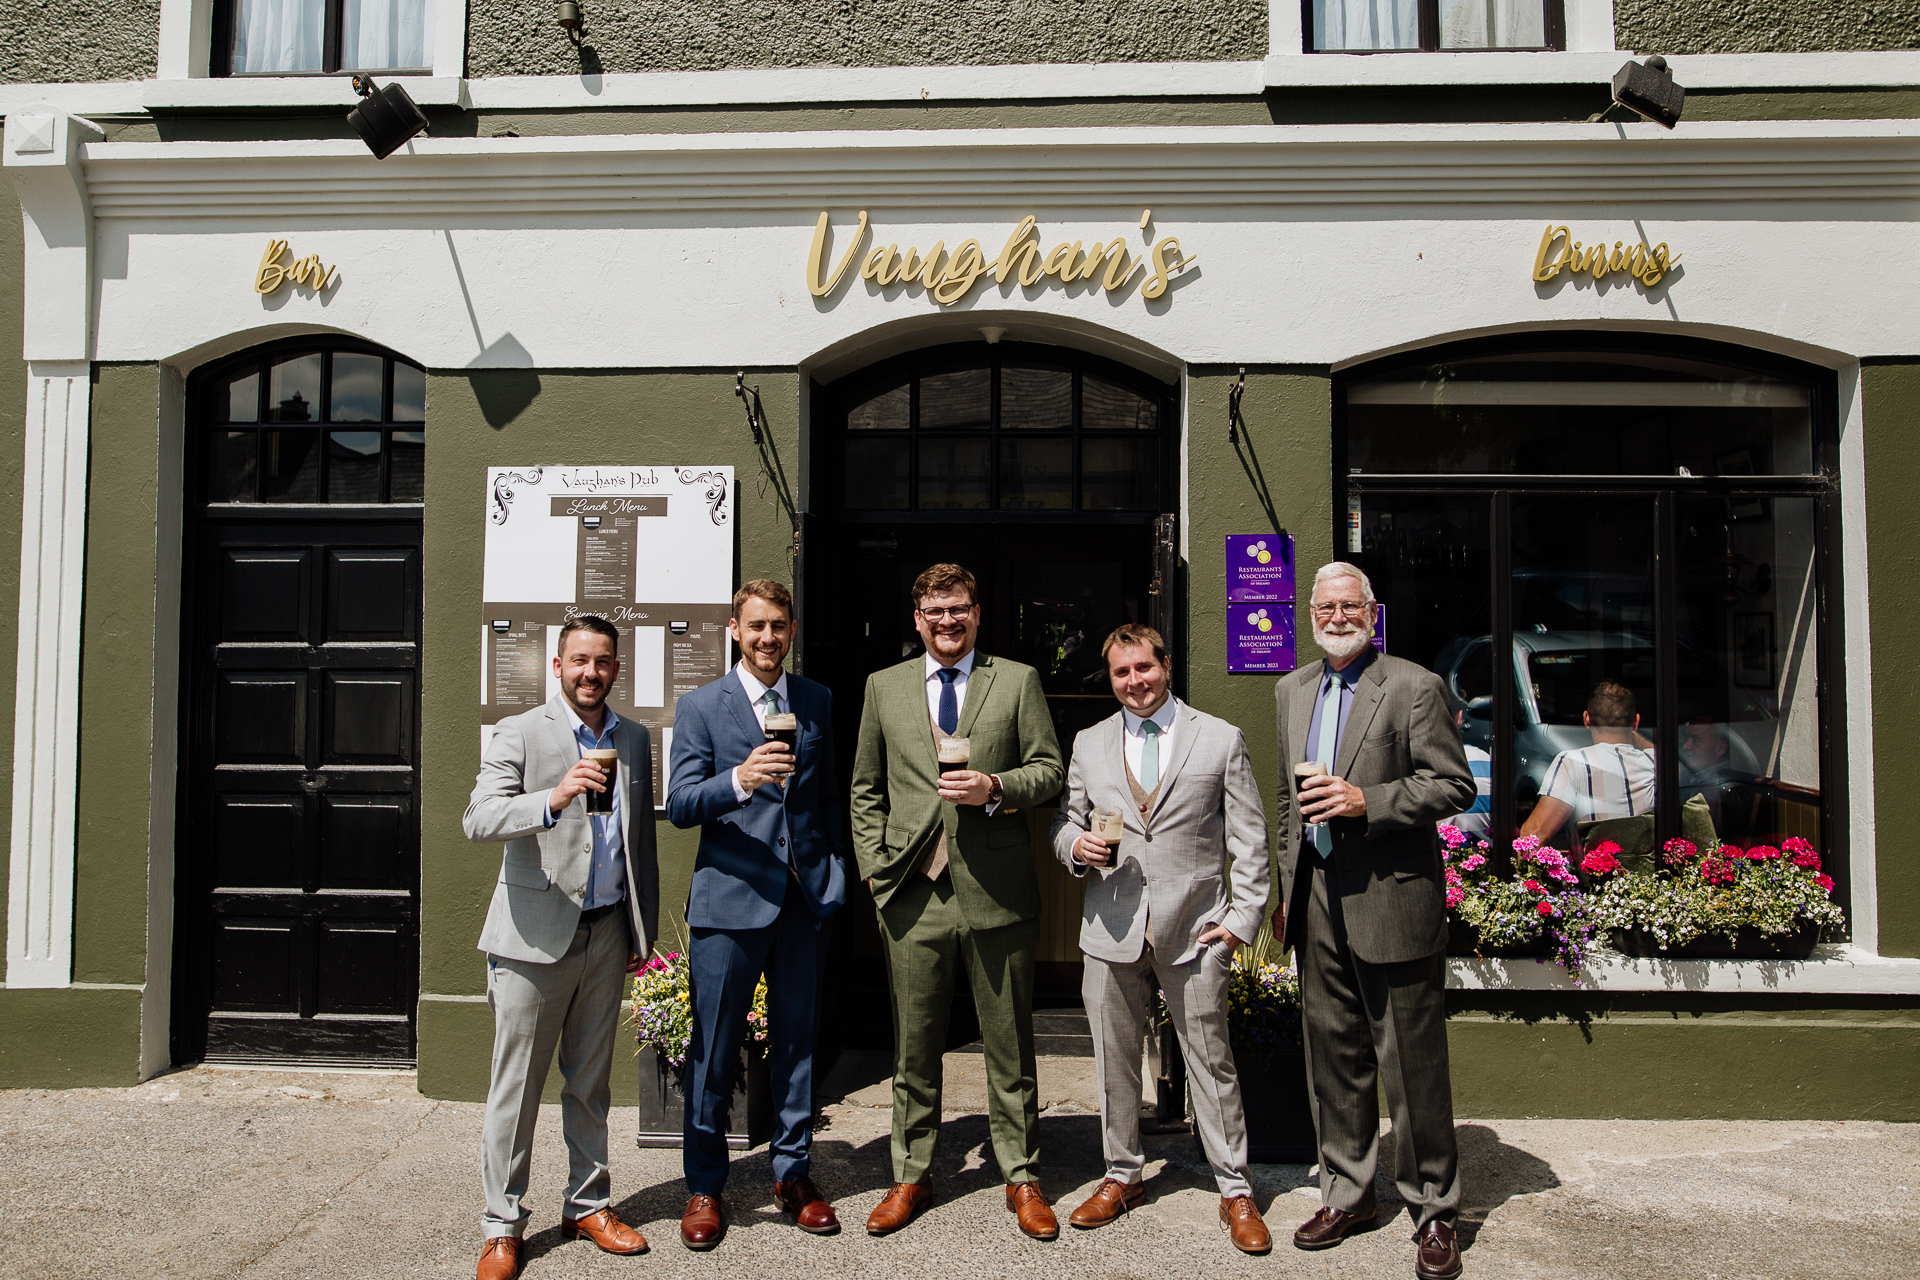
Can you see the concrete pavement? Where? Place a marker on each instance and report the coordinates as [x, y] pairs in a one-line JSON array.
[[229, 1173]]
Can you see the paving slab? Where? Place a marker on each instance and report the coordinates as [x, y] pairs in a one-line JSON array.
[[218, 1172]]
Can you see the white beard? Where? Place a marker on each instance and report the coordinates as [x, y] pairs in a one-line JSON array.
[[1342, 647]]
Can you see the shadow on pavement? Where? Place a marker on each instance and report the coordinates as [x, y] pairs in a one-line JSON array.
[[1492, 1173]]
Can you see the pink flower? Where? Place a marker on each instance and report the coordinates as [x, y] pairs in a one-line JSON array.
[[1452, 836], [1763, 853], [1453, 875], [1825, 882], [1717, 870], [1455, 896], [1533, 886], [1473, 862], [1526, 844], [1601, 861], [1563, 876], [1678, 851], [1807, 860], [1544, 907]]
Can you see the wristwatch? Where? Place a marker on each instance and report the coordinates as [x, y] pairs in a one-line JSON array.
[[996, 792]]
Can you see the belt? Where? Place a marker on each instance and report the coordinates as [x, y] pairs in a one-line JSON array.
[[595, 915]]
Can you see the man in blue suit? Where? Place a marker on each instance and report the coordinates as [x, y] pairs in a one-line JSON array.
[[771, 872]]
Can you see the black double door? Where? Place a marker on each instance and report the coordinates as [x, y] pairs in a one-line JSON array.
[[298, 870]]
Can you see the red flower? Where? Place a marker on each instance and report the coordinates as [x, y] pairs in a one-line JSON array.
[[1717, 870], [1544, 907], [1825, 883], [1607, 847], [1808, 861], [1533, 886], [1763, 853], [1679, 851], [1601, 861]]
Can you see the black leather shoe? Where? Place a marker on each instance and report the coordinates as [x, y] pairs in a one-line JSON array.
[[1329, 1227], [1439, 1255]]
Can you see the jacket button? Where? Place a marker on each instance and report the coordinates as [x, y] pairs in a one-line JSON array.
[[1149, 837], [783, 839]]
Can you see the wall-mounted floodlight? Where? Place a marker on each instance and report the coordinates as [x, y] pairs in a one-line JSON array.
[[385, 118], [568, 16], [1649, 91]]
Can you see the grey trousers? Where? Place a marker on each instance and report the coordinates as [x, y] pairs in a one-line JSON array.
[[1376, 1021], [1118, 998], [573, 1003]]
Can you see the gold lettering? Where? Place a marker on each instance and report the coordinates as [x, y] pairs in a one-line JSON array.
[[1616, 259], [1060, 261], [966, 266], [271, 275], [1004, 263], [1544, 271], [1658, 264], [815, 260], [875, 267], [930, 275], [1162, 270], [1636, 260], [1031, 272], [1098, 251], [909, 264]]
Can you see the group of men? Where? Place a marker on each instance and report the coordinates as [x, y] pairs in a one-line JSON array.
[[945, 852]]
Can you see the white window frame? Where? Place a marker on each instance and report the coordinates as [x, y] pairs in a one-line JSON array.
[[186, 42]]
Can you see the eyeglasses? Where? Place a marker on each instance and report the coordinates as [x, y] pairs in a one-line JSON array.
[[1351, 608], [956, 612]]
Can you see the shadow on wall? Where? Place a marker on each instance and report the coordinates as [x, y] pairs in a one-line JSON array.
[[502, 384]]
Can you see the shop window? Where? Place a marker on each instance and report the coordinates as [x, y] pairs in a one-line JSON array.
[[977, 432], [306, 426], [1385, 26], [321, 37], [1616, 560]]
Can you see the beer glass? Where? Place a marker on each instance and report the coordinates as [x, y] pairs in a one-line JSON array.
[[609, 762], [784, 727], [1110, 825], [954, 754], [1305, 772]]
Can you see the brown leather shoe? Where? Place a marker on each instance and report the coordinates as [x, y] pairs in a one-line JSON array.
[[1439, 1255], [1109, 1200], [1244, 1225], [605, 1230], [702, 1222], [1329, 1227], [500, 1260], [809, 1209], [1030, 1209], [903, 1203]]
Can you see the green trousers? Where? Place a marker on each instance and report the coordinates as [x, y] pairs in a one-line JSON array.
[[928, 946]]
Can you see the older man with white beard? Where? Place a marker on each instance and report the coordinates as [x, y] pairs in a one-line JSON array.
[[1369, 739]]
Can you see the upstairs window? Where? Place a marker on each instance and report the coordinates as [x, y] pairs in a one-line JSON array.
[[321, 37], [1385, 26]]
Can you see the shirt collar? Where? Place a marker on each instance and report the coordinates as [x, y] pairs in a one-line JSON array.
[[1163, 717], [756, 691], [1351, 675], [607, 726], [964, 666]]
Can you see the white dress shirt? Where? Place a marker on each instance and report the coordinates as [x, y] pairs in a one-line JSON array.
[[756, 694], [1133, 740]]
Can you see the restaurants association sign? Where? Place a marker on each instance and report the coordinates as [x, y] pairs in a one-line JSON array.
[[947, 276]]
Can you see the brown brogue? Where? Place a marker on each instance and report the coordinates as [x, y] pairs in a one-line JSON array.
[[1244, 1225], [903, 1203], [702, 1223], [801, 1200], [1030, 1209], [605, 1230], [1439, 1255], [1109, 1200], [1329, 1227], [500, 1260]]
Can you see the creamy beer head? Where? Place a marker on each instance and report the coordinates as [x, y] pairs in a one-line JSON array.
[[1308, 769], [782, 722], [1109, 825], [954, 754], [609, 762]]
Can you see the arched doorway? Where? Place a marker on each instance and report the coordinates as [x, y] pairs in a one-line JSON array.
[[1048, 472], [298, 871]]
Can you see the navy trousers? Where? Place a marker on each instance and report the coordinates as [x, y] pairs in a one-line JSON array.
[[726, 964]]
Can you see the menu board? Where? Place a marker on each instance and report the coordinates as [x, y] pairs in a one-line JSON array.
[[650, 549]]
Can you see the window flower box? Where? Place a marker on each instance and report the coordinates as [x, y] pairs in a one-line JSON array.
[[1723, 901]]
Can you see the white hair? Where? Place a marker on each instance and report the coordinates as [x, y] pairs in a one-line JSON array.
[[1341, 569]]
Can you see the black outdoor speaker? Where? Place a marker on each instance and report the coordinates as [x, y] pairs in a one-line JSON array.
[[1650, 90], [385, 118]]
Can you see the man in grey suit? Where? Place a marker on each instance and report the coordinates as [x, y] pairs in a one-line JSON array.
[[1157, 908], [576, 906], [1365, 909]]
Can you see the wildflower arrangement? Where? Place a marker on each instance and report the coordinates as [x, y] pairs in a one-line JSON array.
[[660, 1007], [1263, 1002], [1776, 891], [1539, 907]]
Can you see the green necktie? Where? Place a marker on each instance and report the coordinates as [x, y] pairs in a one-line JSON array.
[[771, 702], [1329, 734], [1149, 756]]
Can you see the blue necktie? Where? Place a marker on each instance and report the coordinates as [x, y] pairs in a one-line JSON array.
[[1329, 735], [949, 700]]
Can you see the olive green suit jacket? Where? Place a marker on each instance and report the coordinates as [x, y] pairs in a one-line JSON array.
[[897, 810]]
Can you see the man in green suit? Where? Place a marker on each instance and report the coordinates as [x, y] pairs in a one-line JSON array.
[[951, 868]]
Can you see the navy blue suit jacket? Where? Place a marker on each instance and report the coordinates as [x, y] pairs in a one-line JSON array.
[[740, 877]]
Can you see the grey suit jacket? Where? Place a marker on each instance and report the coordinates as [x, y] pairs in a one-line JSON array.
[[543, 872], [1206, 828], [1401, 749]]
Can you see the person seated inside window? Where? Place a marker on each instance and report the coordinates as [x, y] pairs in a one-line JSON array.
[[1613, 778]]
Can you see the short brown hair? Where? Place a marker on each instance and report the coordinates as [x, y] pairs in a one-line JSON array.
[[589, 622], [941, 579], [1134, 633], [773, 592], [1610, 706]]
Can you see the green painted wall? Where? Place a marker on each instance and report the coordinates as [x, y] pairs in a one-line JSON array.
[[526, 417], [506, 37], [73, 40], [1890, 395], [1765, 26], [69, 1038]]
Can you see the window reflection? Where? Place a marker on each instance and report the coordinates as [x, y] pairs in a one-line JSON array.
[[356, 387], [293, 389]]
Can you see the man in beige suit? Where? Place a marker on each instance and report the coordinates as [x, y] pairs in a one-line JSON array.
[[1157, 908], [951, 869]]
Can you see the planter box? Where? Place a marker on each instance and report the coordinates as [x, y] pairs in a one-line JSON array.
[[1747, 944], [663, 1105], [1279, 1121], [1464, 940]]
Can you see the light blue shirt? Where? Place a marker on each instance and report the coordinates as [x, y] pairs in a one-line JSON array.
[[607, 874]]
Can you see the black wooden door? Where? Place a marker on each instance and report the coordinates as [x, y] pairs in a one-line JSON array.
[[299, 861]]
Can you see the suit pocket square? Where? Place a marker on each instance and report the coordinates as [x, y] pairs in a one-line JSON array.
[[525, 877]]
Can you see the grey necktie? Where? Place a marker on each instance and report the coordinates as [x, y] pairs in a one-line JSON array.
[[1329, 733], [1149, 755]]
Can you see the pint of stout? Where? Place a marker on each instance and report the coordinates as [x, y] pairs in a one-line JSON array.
[[954, 754], [783, 727], [609, 762], [1109, 825], [1305, 772]]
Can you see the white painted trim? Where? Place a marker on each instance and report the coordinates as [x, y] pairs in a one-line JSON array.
[[1692, 71], [1589, 26], [1854, 665], [156, 1011], [1834, 969], [46, 743], [42, 156], [1286, 32], [105, 98], [288, 92], [450, 38], [435, 997], [186, 38]]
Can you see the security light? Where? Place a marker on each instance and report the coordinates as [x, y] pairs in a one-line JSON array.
[[1649, 91], [385, 118]]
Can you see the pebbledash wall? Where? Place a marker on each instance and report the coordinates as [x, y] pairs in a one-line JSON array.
[[582, 259]]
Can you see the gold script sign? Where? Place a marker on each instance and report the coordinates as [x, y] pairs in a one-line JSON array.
[[1647, 265], [950, 276], [275, 270]]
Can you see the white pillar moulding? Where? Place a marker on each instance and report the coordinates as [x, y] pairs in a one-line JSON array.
[[42, 155]]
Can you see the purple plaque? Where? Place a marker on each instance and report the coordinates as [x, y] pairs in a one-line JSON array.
[[1380, 627], [1260, 636], [1259, 566]]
